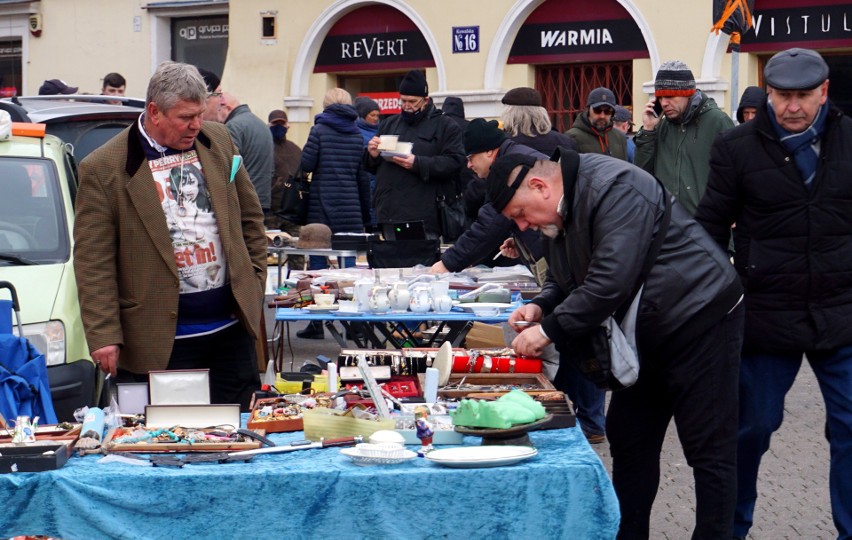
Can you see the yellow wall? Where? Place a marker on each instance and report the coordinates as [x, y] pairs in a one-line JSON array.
[[83, 40]]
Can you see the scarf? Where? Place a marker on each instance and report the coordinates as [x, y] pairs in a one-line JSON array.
[[804, 145]]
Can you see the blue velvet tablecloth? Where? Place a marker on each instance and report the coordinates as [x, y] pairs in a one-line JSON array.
[[564, 492]]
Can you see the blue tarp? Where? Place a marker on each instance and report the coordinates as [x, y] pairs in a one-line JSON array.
[[24, 387]]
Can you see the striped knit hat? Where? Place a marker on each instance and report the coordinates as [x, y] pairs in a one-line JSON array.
[[674, 78]]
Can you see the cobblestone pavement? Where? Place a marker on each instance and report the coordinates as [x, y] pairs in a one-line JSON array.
[[793, 497]]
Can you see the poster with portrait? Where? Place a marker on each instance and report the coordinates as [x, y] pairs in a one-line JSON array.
[[191, 222]]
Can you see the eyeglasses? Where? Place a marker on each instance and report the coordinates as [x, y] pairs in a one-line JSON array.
[[214, 94], [413, 103], [603, 109]]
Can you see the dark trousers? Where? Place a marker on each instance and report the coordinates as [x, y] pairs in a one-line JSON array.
[[229, 354], [696, 384]]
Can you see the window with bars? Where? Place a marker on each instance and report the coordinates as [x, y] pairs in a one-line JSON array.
[[564, 88]]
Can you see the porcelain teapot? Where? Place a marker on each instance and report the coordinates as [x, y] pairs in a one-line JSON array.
[[441, 301], [399, 296], [421, 298], [379, 301]]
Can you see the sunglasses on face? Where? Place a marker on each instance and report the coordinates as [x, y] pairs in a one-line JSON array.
[[603, 110], [214, 94]]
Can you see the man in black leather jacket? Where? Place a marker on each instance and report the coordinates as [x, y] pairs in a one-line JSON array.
[[602, 214], [784, 179]]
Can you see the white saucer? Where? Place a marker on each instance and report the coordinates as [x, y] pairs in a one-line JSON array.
[[341, 313], [359, 459], [468, 457], [471, 306], [322, 309], [388, 155]]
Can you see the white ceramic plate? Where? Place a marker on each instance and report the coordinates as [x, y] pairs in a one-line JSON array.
[[360, 459], [340, 313], [468, 457], [322, 309], [470, 306]]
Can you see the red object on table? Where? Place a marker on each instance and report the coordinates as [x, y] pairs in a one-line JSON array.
[[496, 364]]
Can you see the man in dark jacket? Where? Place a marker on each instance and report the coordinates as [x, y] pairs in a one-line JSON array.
[[752, 98], [483, 142], [603, 215], [593, 127], [408, 187], [784, 179], [254, 141], [675, 146]]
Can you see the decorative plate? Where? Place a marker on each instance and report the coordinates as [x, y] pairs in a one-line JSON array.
[[313, 308], [468, 457]]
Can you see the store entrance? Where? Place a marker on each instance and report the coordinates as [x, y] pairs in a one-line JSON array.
[[564, 88]]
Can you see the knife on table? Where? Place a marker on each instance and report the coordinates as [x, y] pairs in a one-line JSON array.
[[295, 445]]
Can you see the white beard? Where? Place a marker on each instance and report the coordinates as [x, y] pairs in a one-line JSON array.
[[550, 231]]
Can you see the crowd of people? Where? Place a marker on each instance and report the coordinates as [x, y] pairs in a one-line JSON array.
[[719, 343]]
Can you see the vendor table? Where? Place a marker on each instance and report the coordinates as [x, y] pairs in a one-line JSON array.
[[563, 492], [282, 252], [373, 330]]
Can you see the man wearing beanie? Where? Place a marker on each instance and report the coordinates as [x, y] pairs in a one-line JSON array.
[[369, 115], [783, 178], [593, 127], [484, 141], [675, 146], [408, 187]]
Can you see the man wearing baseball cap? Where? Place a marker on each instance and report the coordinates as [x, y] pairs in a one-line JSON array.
[[593, 127], [784, 179], [675, 146]]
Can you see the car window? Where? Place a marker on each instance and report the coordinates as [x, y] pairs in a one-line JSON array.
[[86, 136], [33, 225]]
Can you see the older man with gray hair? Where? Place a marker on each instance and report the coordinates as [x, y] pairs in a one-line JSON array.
[[170, 249], [784, 179]]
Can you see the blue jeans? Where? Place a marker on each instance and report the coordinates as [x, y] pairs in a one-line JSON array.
[[588, 399], [321, 263], [765, 380]]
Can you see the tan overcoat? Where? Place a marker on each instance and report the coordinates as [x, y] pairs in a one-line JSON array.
[[124, 261]]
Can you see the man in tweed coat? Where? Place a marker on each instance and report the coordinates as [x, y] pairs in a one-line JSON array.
[[170, 251]]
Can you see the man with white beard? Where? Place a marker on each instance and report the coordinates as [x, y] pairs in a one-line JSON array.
[[603, 215]]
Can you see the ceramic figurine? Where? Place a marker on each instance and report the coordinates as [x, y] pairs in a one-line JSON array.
[[424, 429]]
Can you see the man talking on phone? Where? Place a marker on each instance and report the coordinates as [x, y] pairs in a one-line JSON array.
[[674, 144]]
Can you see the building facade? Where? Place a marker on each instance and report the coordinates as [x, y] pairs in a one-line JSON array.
[[288, 53]]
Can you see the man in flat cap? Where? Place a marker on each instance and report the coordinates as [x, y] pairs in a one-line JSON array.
[[593, 127], [784, 179], [408, 187], [602, 217], [527, 122], [675, 146], [622, 120]]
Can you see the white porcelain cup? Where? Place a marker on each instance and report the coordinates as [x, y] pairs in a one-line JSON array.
[[324, 300], [388, 142]]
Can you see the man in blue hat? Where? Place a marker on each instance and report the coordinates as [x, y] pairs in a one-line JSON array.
[[783, 178]]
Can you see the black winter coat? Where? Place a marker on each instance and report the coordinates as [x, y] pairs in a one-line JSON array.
[[490, 229], [595, 264], [793, 247], [340, 188], [411, 195]]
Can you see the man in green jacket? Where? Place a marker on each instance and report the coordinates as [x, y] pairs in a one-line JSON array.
[[593, 127], [675, 145]]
